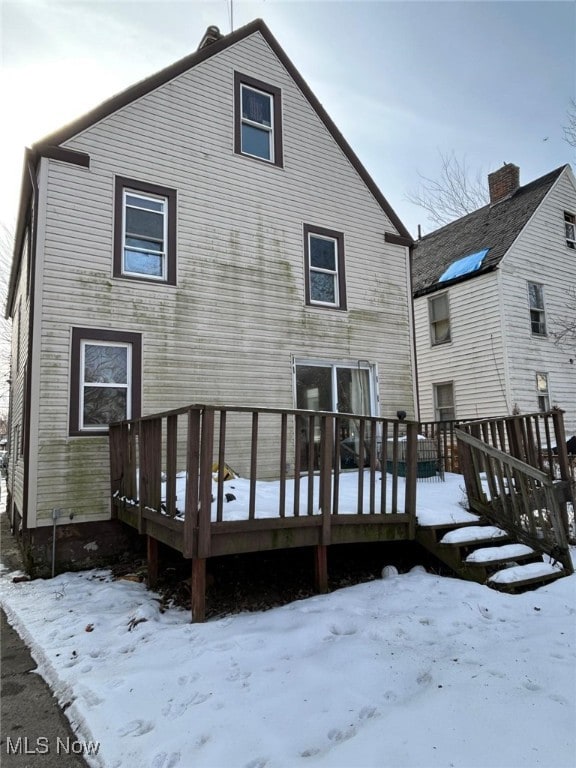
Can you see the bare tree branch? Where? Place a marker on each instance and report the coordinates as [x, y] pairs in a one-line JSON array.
[[563, 328], [570, 128], [453, 194]]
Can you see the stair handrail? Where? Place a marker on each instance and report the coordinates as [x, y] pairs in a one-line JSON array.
[[513, 512]]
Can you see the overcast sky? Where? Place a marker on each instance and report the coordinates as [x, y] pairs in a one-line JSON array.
[[403, 81]]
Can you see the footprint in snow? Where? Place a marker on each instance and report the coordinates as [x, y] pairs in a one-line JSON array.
[[336, 735], [164, 760], [185, 679], [178, 708], [136, 728], [425, 678], [366, 713], [343, 629], [258, 762], [530, 686]]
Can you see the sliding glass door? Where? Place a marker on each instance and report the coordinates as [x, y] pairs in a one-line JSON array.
[[340, 387]]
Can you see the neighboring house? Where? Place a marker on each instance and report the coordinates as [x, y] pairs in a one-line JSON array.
[[206, 236], [488, 290]]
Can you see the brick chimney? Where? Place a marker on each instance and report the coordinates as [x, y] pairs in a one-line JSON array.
[[503, 182]]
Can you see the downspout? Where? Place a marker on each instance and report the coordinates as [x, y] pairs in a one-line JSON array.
[[31, 162], [413, 333]]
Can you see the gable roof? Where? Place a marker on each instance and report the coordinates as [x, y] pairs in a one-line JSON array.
[[494, 227], [48, 146]]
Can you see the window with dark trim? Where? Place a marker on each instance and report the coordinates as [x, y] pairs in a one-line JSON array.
[[537, 313], [439, 315], [144, 231], [105, 379], [257, 119], [542, 392], [444, 401], [570, 229], [324, 267]]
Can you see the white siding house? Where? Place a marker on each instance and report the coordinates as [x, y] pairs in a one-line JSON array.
[[206, 236], [513, 268]]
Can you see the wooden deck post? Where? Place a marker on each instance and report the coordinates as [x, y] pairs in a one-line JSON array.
[[560, 437], [321, 568], [411, 459], [152, 557], [198, 589]]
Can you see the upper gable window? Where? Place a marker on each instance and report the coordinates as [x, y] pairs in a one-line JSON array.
[[439, 314], [324, 267], [145, 232], [258, 119], [570, 229], [537, 313]]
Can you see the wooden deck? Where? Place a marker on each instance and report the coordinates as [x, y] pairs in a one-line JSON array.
[[338, 479]]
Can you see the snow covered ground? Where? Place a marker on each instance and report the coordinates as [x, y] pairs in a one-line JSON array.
[[412, 670]]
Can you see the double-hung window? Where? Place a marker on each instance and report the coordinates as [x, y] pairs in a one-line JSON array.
[[570, 229], [258, 119], [537, 313], [439, 314], [324, 267], [542, 392], [145, 232], [444, 401], [105, 379]]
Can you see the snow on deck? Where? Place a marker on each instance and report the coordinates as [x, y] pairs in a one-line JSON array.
[[522, 572], [508, 551], [473, 533]]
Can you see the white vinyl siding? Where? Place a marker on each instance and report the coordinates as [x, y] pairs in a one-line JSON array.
[[227, 332], [473, 361], [540, 256]]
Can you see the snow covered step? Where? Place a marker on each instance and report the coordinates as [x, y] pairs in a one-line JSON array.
[[474, 534], [505, 553], [513, 579]]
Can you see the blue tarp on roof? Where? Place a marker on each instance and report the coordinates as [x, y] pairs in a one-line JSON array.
[[464, 266]]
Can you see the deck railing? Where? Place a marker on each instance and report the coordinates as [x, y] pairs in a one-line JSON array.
[[538, 439], [175, 467], [516, 496]]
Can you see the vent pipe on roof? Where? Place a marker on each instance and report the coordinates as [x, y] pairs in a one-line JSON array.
[[503, 182], [211, 35]]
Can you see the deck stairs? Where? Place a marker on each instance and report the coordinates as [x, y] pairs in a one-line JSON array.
[[478, 551]]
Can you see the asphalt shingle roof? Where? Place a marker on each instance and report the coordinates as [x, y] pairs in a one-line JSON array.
[[495, 226]]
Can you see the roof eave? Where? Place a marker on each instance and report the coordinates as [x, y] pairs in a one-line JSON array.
[[455, 281]]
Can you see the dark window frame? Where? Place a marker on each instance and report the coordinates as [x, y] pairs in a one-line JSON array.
[[97, 334], [143, 187], [276, 94], [438, 408], [543, 393], [310, 229], [538, 324], [435, 339], [570, 229]]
